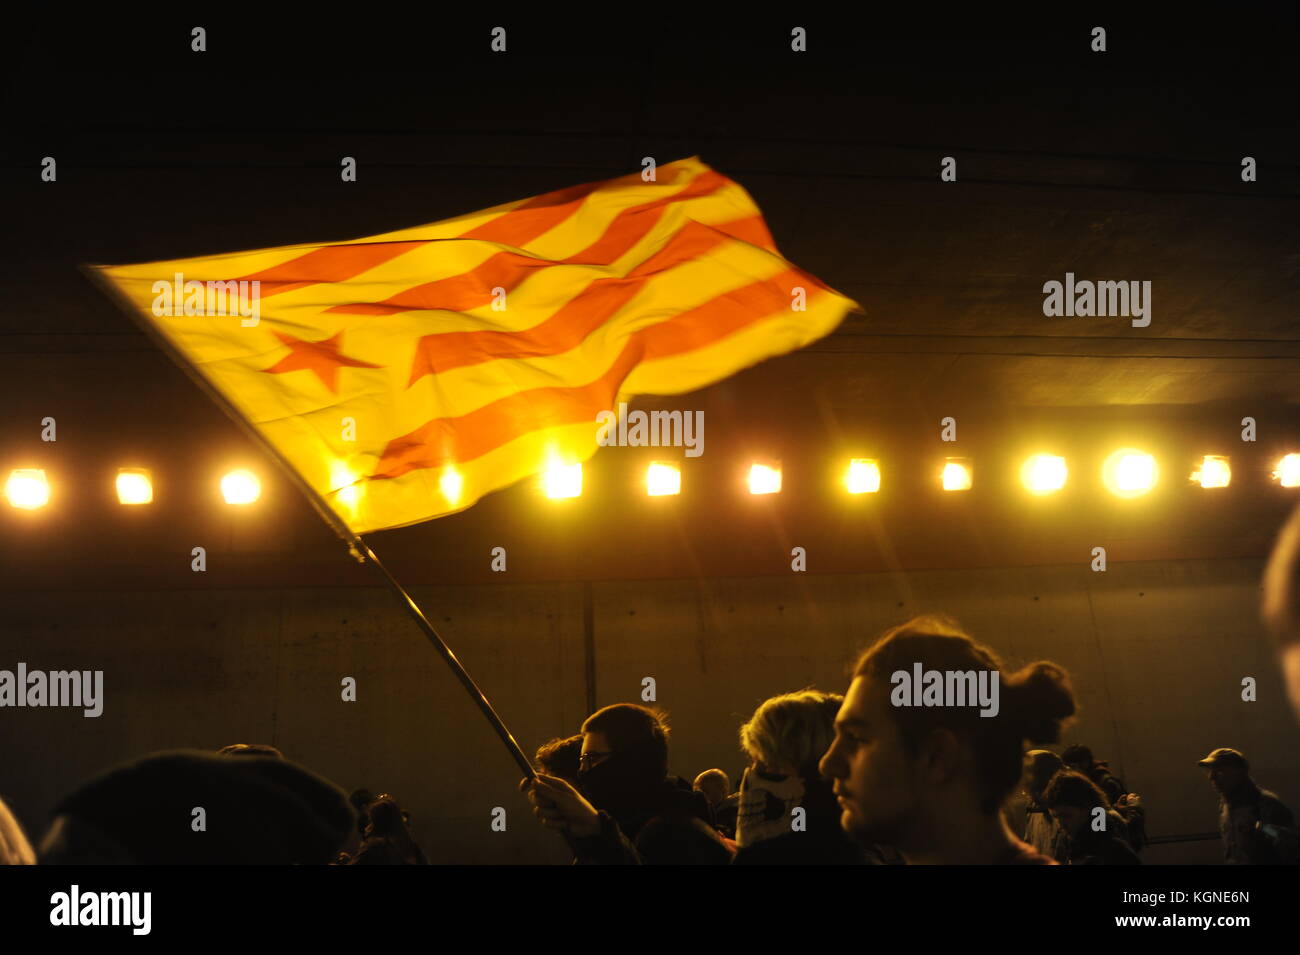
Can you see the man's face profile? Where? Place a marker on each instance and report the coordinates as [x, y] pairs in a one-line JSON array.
[[872, 773]]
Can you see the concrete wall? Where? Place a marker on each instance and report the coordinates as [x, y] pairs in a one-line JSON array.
[[1157, 651]]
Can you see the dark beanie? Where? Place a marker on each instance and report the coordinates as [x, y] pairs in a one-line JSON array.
[[259, 810]]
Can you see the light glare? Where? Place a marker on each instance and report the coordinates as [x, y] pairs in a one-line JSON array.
[[134, 486], [956, 475], [863, 476], [27, 488], [1044, 474], [1288, 471], [563, 480], [662, 479], [1129, 473], [765, 479], [1214, 471], [347, 489], [451, 484], [241, 487]]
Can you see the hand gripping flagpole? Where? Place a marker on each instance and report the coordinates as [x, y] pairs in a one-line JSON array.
[[358, 547]]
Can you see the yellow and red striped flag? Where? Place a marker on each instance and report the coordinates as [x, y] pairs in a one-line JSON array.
[[406, 375]]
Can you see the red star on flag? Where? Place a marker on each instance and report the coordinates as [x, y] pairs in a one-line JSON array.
[[321, 357]]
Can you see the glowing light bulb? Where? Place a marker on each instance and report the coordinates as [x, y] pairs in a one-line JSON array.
[[241, 487], [1288, 471], [765, 479], [27, 488], [134, 486], [1044, 474], [1129, 473], [956, 474], [562, 480], [663, 479], [451, 484], [1214, 472], [863, 476]]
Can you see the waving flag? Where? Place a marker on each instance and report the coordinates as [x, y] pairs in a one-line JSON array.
[[405, 375]]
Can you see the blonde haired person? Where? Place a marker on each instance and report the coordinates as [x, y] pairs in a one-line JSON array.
[[787, 812]]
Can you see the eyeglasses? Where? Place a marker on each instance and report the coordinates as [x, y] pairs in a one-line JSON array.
[[592, 758]]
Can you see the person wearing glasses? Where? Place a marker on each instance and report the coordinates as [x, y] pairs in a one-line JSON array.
[[627, 809]]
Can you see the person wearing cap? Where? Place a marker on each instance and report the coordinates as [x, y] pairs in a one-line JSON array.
[[1257, 827], [1281, 604]]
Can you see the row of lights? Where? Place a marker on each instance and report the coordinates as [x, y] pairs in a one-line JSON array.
[[1126, 473], [29, 489]]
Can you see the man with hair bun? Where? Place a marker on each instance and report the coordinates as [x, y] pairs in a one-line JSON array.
[[930, 780]]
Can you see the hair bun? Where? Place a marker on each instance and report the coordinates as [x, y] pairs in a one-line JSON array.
[[1039, 701]]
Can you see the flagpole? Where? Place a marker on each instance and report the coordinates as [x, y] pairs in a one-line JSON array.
[[358, 547], [445, 651]]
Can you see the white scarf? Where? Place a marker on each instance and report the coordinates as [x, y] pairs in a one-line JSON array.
[[764, 806]]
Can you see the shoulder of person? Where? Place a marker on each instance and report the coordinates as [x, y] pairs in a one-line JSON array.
[[1271, 803]]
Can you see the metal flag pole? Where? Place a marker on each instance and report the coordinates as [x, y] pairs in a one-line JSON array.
[[358, 547], [445, 651]]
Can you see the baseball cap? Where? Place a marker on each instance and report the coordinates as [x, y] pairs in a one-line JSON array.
[[1226, 757]]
